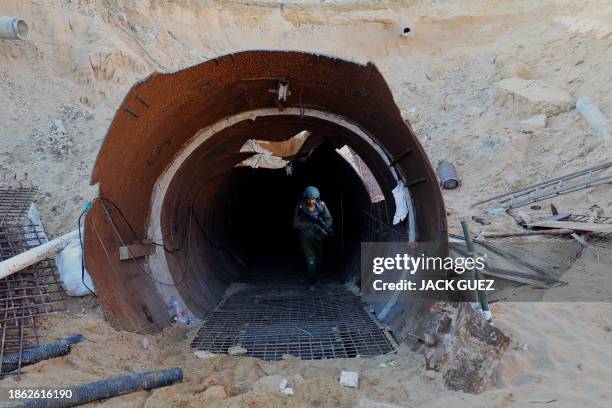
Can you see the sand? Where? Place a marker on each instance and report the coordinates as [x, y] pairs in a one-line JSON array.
[[83, 56]]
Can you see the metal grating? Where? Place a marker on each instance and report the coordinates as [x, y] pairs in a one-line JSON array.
[[328, 322], [595, 236], [32, 292]]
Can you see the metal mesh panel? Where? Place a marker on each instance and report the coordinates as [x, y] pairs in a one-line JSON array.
[[329, 322], [595, 236], [32, 292]]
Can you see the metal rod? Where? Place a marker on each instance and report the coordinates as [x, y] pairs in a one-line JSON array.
[[482, 296], [527, 233], [595, 183], [547, 183]]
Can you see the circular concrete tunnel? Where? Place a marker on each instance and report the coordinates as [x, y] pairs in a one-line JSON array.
[[200, 211]]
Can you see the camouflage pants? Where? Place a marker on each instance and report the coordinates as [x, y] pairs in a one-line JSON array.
[[313, 251]]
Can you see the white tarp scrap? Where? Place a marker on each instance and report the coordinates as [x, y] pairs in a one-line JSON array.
[[270, 154], [265, 161], [401, 203]]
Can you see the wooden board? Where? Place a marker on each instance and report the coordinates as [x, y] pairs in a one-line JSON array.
[[135, 251], [573, 225]]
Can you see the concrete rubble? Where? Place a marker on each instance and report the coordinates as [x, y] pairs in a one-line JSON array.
[[533, 123], [349, 379]]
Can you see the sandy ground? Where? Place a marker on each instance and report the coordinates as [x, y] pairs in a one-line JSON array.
[[560, 355], [83, 56]]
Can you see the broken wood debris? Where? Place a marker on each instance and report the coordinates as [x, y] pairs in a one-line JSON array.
[[134, 251]]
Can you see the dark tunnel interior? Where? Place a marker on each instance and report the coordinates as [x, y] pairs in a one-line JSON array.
[[262, 209], [237, 225]]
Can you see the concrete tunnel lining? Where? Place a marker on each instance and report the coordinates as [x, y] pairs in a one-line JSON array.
[[155, 126], [158, 262]]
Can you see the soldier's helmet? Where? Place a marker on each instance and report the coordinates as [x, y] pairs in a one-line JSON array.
[[311, 192]]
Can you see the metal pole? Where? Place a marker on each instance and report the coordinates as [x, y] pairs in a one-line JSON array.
[[482, 296]]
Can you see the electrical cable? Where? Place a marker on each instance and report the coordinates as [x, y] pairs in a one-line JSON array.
[[134, 259]]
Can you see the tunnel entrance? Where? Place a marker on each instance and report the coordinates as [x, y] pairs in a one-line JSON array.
[[226, 219], [186, 196]]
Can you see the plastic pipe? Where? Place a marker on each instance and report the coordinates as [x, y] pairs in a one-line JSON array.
[[13, 28], [111, 387], [11, 362], [591, 113], [36, 254]]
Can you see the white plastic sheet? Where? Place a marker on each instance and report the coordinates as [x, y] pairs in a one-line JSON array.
[[69, 267]]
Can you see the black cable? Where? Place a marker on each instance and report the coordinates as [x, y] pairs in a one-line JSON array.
[[132, 230], [136, 236]]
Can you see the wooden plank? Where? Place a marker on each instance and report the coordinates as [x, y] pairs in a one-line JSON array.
[[515, 276], [528, 233], [573, 225], [135, 251]]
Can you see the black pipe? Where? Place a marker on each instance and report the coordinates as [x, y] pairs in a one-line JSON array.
[[110, 387], [11, 362]]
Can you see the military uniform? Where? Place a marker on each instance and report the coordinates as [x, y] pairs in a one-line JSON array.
[[311, 238]]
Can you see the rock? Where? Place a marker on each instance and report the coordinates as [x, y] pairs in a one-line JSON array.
[[533, 123], [368, 403], [297, 379], [283, 384], [532, 97], [473, 112], [237, 351], [204, 354], [287, 391], [215, 393], [145, 342], [431, 374], [508, 66], [270, 383], [59, 126], [211, 381], [349, 379]]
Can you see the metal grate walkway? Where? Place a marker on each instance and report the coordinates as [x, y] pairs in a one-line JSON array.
[[328, 322]]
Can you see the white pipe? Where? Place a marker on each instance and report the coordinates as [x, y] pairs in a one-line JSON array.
[[36, 254], [13, 28], [591, 113]]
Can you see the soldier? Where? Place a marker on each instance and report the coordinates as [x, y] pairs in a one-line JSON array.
[[313, 221]]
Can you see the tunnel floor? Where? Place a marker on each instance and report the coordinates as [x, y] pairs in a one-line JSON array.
[[275, 314]]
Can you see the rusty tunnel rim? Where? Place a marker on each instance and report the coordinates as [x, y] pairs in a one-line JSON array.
[[162, 113], [158, 262]]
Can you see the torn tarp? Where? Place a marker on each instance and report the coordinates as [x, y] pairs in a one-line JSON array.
[[270, 154], [401, 203]]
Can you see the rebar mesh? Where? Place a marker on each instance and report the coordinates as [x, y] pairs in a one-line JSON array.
[[32, 292], [328, 322]]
